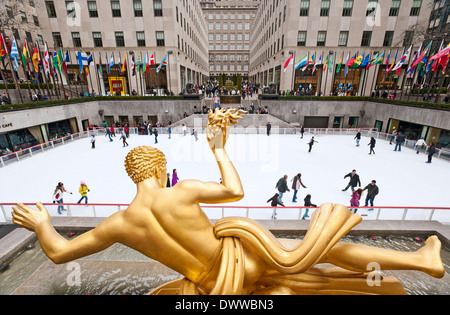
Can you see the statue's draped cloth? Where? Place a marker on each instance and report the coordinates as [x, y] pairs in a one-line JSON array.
[[295, 271]]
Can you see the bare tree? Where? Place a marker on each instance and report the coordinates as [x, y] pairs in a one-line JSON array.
[[15, 15]]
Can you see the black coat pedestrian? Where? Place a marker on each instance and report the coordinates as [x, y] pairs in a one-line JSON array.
[[354, 179]]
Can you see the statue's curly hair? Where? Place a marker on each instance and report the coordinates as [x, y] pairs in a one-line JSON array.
[[144, 162]]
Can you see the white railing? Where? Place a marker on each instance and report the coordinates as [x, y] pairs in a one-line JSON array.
[[440, 214]]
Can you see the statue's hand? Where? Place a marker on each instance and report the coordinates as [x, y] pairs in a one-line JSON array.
[[29, 218], [218, 127]]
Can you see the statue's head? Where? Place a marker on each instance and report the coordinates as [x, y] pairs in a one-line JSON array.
[[145, 162]]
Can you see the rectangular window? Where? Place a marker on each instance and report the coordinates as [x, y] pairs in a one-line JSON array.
[[409, 36], [41, 40], [395, 7], [140, 37], [115, 8], [137, 6], [76, 39], [92, 7], [348, 8], [97, 36], [301, 40], [304, 8], [372, 8], [120, 40], [51, 11], [160, 38], [321, 38], [157, 7], [415, 8], [366, 38], [23, 15], [57, 41], [325, 8], [388, 37], [343, 38], [70, 8]]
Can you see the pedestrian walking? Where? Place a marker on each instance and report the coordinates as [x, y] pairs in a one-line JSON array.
[[170, 131], [274, 202], [296, 183], [372, 145], [354, 201], [431, 152], [124, 139], [358, 138], [308, 204], [127, 130], [420, 145], [83, 190], [399, 141], [311, 143], [184, 128], [194, 133], [353, 182], [174, 177], [108, 133], [282, 187], [372, 191]]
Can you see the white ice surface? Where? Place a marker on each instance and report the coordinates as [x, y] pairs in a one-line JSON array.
[[404, 179]]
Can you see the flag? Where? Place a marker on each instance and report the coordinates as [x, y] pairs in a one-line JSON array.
[[25, 57], [346, 62], [357, 62], [318, 61], [56, 64], [46, 60], [442, 57], [133, 66], [289, 62], [61, 60], [125, 63], [350, 62], [15, 53], [365, 62], [36, 60], [402, 60], [111, 63], [393, 62], [163, 63], [138, 64], [100, 67], [339, 65], [331, 64], [302, 62], [83, 59], [120, 63], [145, 67], [421, 56], [310, 62], [66, 60], [378, 59], [152, 60], [325, 65], [3, 48], [387, 62]]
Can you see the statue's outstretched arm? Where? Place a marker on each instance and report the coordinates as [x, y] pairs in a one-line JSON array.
[[56, 247]]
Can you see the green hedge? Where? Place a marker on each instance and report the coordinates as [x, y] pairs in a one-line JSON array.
[[432, 91], [34, 86]]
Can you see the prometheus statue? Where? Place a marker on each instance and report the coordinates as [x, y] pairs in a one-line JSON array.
[[237, 255]]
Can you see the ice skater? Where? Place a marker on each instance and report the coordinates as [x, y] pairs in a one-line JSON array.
[[170, 131], [108, 133], [124, 139], [372, 145], [420, 145], [311, 143], [354, 181], [184, 128], [356, 195], [296, 183], [175, 178], [372, 191], [155, 132], [194, 133], [302, 131], [399, 141], [269, 126], [282, 187], [83, 190], [58, 196], [358, 138], [274, 202], [393, 135], [308, 203], [92, 141], [431, 152]]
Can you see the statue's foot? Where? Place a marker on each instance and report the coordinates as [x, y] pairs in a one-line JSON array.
[[432, 254]]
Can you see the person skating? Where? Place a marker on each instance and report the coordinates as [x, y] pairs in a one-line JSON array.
[[399, 141], [431, 152], [358, 138], [420, 145], [170, 132], [308, 203], [372, 145], [296, 183], [311, 143], [393, 135], [93, 141], [184, 128], [269, 126], [175, 178], [356, 195], [372, 191], [155, 132], [282, 187], [83, 190], [58, 196], [124, 139], [194, 133], [354, 180], [302, 131], [274, 202]]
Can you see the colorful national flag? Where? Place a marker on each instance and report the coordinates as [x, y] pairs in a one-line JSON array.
[[289, 62], [402, 60], [46, 60], [56, 63], [350, 62], [318, 62], [310, 62], [302, 62], [357, 62], [346, 62], [25, 57], [421, 56], [15, 54], [340, 64], [325, 65], [365, 63], [442, 58], [133, 66], [100, 67], [111, 63], [138, 64], [36, 60], [152, 60], [61, 60], [145, 67], [163, 63], [393, 62], [125, 63], [66, 60], [3, 48]]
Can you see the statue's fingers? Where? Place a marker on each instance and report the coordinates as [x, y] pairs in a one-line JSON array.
[[41, 207]]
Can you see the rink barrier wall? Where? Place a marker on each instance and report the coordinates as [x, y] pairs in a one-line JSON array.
[[39, 148], [383, 213]]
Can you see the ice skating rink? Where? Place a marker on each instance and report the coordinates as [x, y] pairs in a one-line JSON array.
[[403, 178]]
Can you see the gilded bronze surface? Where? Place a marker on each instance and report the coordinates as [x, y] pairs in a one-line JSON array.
[[237, 255]]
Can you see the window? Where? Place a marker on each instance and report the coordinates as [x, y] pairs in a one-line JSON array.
[[97, 36], [115, 8], [372, 8], [160, 38], [92, 7], [41, 40], [301, 40], [325, 8], [120, 40], [57, 41], [157, 7], [388, 36], [304, 8], [23, 15], [407, 41], [140, 37], [343, 38], [76, 39], [321, 38], [137, 5], [10, 12], [51, 11], [70, 8], [366, 38], [415, 8], [395, 6], [348, 8]]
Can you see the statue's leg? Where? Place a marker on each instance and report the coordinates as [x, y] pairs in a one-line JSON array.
[[358, 257]]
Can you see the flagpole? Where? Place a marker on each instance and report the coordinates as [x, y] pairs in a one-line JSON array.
[[405, 75], [50, 65], [26, 74], [37, 74], [96, 73], [67, 74], [326, 75], [76, 84], [43, 72], [3, 62], [141, 67], [293, 71], [363, 88], [89, 75], [135, 73]]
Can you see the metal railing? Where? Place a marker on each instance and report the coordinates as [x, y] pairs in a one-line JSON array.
[[441, 214]]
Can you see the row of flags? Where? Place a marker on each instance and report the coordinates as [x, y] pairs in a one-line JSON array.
[[58, 62], [422, 61]]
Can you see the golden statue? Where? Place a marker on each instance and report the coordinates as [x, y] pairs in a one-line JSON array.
[[237, 255]]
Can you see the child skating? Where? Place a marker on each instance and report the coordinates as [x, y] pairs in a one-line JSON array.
[[83, 190]]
